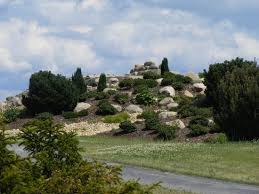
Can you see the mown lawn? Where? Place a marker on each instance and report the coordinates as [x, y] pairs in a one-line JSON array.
[[231, 161]]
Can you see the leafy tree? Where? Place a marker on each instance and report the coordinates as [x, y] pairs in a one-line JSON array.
[[164, 66], [78, 81], [102, 84], [50, 93]]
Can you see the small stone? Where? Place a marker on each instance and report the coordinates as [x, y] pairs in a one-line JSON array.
[[134, 109], [177, 123], [117, 107], [172, 105], [188, 94], [82, 106], [167, 115], [166, 101], [168, 90]]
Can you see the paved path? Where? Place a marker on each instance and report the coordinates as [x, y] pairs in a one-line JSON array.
[[177, 181]]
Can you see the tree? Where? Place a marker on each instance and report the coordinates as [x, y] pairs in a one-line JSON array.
[[78, 81], [164, 66], [50, 93], [102, 83]]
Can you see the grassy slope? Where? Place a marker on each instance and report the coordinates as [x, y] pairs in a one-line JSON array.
[[232, 161]]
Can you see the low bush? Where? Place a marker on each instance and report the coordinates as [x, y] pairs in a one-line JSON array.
[[91, 82], [178, 86], [11, 114], [105, 108], [121, 98], [128, 127], [44, 116], [219, 138], [190, 111], [151, 119], [199, 126], [126, 83], [72, 115], [140, 89], [151, 75], [166, 82], [102, 96], [118, 118], [166, 132], [145, 98], [150, 83]]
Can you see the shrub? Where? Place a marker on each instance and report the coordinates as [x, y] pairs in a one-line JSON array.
[[171, 77], [140, 89], [190, 110], [219, 138], [166, 132], [102, 84], [44, 116], [233, 90], [166, 82], [151, 119], [50, 93], [150, 83], [105, 108], [128, 127], [199, 126], [151, 75], [78, 81], [91, 82], [11, 114], [126, 83], [102, 96], [178, 85], [72, 115], [121, 98], [145, 98], [118, 118], [164, 66]]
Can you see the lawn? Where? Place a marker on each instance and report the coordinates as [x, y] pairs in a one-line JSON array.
[[231, 161]]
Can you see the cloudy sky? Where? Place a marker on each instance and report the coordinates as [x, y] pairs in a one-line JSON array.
[[112, 35]]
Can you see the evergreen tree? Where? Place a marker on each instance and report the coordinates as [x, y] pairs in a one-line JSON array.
[[102, 83], [164, 66], [79, 81]]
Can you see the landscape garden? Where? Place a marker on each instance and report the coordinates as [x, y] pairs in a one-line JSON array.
[[205, 125]]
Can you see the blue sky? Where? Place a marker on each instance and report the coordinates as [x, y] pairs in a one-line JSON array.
[[113, 35]]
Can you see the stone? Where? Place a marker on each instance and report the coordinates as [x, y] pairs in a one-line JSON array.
[[166, 101], [149, 64], [199, 87], [168, 90], [167, 115], [177, 123], [113, 80], [139, 68], [91, 88], [134, 109], [129, 93], [3, 106], [188, 94], [117, 107], [159, 81], [195, 77], [109, 89], [172, 105], [82, 106], [14, 101]]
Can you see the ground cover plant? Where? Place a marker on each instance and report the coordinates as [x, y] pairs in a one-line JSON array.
[[118, 118]]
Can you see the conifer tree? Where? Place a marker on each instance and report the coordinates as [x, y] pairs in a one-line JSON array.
[[164, 66], [79, 81], [102, 83]]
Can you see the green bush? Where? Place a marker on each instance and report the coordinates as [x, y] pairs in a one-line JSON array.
[[78, 81], [50, 93], [164, 66], [11, 114], [166, 82], [72, 115], [178, 86], [102, 84], [140, 89], [102, 96], [166, 132], [128, 127], [151, 119], [118, 118], [105, 108], [170, 78], [121, 98], [126, 83], [190, 111], [219, 138], [151, 75], [199, 126], [145, 98], [150, 83], [44, 116], [91, 82]]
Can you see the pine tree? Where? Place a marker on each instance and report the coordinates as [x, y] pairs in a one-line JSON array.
[[78, 81], [164, 66], [102, 83]]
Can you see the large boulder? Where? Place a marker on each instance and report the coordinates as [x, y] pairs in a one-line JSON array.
[[166, 101], [134, 109], [177, 123], [82, 106], [117, 107], [139, 68], [167, 115], [114, 82], [149, 64], [168, 90], [188, 94], [199, 87]]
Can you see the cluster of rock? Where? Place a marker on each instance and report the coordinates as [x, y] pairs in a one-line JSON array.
[[148, 66], [12, 102]]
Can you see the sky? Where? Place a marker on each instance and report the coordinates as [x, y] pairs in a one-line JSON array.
[[112, 35]]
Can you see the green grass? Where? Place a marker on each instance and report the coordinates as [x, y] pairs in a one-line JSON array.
[[118, 118], [162, 190], [231, 161]]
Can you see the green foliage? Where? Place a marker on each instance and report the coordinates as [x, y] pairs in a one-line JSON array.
[[151, 75], [121, 98], [78, 81], [151, 120], [105, 108], [11, 114], [166, 82], [102, 84], [141, 89], [102, 96], [145, 98], [235, 97], [190, 111], [219, 138], [150, 83], [88, 95], [118, 118], [166, 132], [91, 82], [50, 93], [128, 127], [72, 115], [199, 126], [126, 83], [44, 116], [178, 86], [164, 66]]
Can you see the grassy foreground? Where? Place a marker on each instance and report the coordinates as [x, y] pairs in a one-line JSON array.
[[232, 161]]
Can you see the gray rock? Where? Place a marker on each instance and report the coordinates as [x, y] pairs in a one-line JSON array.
[[199, 87], [134, 109], [167, 115], [109, 89], [166, 101], [149, 64], [188, 94], [159, 81], [195, 77], [172, 105], [177, 123], [168, 90], [117, 107], [82, 106], [113, 80]]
